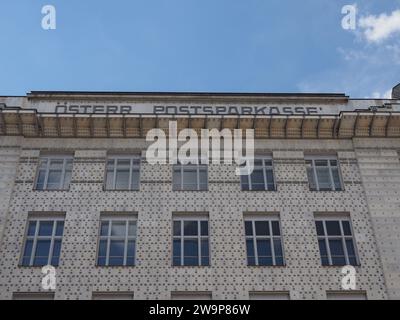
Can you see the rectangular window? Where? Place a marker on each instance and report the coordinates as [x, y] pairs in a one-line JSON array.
[[190, 242], [337, 295], [33, 296], [264, 242], [323, 174], [122, 173], [43, 242], [336, 242], [262, 177], [54, 173], [190, 177], [117, 241]]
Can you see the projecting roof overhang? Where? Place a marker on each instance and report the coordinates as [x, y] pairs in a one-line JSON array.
[[30, 123]]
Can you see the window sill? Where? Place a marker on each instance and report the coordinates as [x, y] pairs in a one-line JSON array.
[[51, 190]]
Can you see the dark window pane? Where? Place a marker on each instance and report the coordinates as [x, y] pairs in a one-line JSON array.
[[131, 248], [333, 163], [42, 252], [204, 248], [176, 261], [190, 228], [320, 228], [350, 248], [118, 228], [67, 179], [336, 247], [262, 228], [333, 228], [275, 228], [264, 248], [257, 176], [278, 247], [104, 228], [270, 179], [54, 261], [40, 180], [346, 228], [117, 248], [248, 226], [353, 260], [28, 250], [60, 228], [31, 228], [338, 261], [176, 179], [102, 248], [265, 261], [251, 261], [279, 261], [26, 261], [56, 248], [244, 182], [130, 261], [322, 247], [191, 261], [101, 261], [324, 261], [177, 228], [176, 248], [45, 228], [190, 247], [250, 247], [116, 261], [205, 261], [204, 228]]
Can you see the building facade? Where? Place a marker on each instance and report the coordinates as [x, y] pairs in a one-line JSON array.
[[77, 192]]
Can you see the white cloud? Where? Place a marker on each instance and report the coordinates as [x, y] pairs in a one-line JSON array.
[[378, 28], [384, 95]]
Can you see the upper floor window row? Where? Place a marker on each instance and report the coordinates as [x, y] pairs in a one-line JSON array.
[[123, 173]]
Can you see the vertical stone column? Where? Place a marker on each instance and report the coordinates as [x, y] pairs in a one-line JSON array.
[[380, 173]]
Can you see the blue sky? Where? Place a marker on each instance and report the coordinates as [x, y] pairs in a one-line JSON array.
[[199, 45]]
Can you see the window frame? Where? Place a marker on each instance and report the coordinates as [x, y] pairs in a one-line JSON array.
[[132, 166], [271, 239], [36, 237], [199, 238], [192, 166], [49, 158], [342, 237], [108, 238], [328, 158], [264, 169]]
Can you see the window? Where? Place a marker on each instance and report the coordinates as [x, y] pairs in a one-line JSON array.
[[190, 242], [323, 174], [123, 173], [33, 296], [117, 242], [191, 296], [43, 242], [112, 296], [336, 243], [262, 177], [54, 173], [191, 177], [263, 242], [269, 295], [337, 295]]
